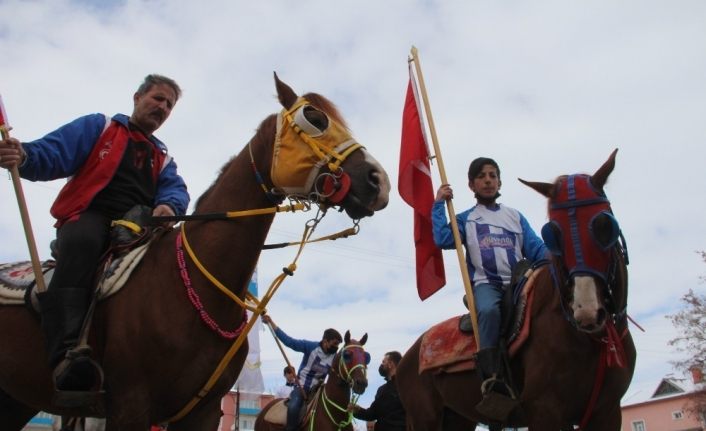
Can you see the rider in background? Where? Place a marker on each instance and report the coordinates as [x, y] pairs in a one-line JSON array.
[[114, 163], [290, 377], [318, 357], [496, 238]]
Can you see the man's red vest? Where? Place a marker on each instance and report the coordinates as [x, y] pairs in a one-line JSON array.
[[98, 170]]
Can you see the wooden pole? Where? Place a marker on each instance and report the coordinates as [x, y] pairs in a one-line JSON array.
[[26, 223], [449, 204], [286, 359]]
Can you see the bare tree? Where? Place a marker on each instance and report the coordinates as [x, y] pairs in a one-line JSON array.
[[691, 341]]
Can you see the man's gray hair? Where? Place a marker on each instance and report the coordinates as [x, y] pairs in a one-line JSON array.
[[154, 79]]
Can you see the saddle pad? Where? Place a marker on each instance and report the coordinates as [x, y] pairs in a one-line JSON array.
[[444, 344], [445, 348], [277, 414], [119, 270], [16, 278]]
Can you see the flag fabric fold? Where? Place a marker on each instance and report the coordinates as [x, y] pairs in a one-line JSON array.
[[250, 382], [415, 188], [3, 116]]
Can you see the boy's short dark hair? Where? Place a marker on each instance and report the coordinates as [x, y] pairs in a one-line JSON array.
[[332, 334], [394, 356], [289, 369], [477, 166]]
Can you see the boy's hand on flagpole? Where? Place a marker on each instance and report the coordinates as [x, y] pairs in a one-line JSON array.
[[444, 193]]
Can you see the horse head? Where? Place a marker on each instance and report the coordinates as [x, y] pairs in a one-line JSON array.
[[316, 158], [351, 363], [583, 237]]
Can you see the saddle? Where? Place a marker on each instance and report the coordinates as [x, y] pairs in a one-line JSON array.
[[444, 348], [277, 413], [129, 243]]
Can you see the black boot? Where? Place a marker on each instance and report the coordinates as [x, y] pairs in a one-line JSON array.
[[498, 397], [63, 311], [51, 312], [464, 323]]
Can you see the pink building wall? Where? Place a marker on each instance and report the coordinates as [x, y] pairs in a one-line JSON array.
[[228, 408], [657, 415]]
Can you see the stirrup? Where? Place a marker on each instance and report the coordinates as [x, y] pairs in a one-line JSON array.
[[497, 405], [488, 386], [89, 398]]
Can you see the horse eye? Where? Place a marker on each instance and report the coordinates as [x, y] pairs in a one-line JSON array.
[[551, 234], [317, 118], [367, 358], [347, 356], [605, 230]]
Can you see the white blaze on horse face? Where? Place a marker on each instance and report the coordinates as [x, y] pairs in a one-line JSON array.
[[586, 304], [383, 182]]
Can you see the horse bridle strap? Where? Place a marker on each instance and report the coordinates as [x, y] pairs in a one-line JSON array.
[[326, 401], [307, 132], [297, 206], [296, 168], [579, 203]]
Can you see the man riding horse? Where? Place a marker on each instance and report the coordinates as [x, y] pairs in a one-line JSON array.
[[114, 164]]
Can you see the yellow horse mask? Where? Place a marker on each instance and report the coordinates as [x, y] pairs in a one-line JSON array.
[[301, 150]]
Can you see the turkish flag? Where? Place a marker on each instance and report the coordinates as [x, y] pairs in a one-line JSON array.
[[3, 116], [414, 185]]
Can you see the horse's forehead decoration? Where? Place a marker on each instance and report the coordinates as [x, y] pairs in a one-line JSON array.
[[301, 150], [355, 354], [570, 232]]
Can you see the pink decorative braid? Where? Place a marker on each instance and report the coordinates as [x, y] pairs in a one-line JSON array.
[[196, 300]]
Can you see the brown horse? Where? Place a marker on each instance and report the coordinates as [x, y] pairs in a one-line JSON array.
[[346, 376], [154, 347], [578, 359]]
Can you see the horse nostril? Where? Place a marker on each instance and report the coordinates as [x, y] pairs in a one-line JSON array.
[[374, 179]]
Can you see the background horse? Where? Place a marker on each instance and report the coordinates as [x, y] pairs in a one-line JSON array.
[[346, 376], [154, 347], [578, 359]]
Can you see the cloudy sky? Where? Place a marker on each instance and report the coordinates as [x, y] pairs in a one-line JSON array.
[[545, 88]]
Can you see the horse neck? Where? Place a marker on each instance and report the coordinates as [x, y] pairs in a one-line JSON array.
[[549, 288], [337, 391], [230, 248]]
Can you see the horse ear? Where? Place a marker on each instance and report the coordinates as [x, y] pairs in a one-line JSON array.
[[601, 176], [347, 337], [285, 94], [364, 339], [547, 189]]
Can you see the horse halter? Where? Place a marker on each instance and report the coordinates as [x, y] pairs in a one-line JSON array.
[[582, 230], [349, 354], [352, 354], [295, 168]]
